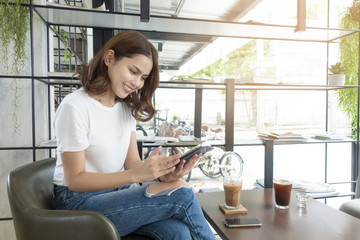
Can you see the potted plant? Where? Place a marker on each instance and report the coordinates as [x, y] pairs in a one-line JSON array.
[[336, 75]]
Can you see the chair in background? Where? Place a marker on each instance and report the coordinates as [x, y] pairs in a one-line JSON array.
[[352, 207], [30, 191]]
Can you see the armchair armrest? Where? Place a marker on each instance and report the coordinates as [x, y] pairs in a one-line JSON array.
[[351, 207], [66, 224]]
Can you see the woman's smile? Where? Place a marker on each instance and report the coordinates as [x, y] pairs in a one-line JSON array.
[[128, 89]]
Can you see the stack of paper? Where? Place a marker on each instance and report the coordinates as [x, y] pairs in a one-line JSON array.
[[153, 139], [188, 138], [329, 136], [318, 189], [282, 137], [313, 189]]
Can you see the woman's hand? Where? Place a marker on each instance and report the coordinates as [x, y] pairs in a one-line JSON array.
[[157, 165], [181, 170]]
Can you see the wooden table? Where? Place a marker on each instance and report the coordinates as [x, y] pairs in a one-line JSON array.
[[317, 221]]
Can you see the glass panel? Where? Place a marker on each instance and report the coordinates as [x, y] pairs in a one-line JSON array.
[[338, 122], [42, 115], [16, 57], [300, 162], [174, 104], [10, 160], [337, 9], [253, 157], [261, 61], [279, 111], [7, 229], [70, 48], [16, 114], [339, 163], [45, 153], [40, 47], [213, 113]]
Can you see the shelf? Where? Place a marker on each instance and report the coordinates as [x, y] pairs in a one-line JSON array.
[[69, 78], [341, 194], [314, 141], [55, 78], [70, 16], [217, 143], [259, 86], [251, 86], [255, 142], [192, 85]]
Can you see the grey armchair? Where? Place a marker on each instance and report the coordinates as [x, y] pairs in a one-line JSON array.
[[352, 207], [30, 195]]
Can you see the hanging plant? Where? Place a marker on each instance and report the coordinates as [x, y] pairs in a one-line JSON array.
[[349, 57], [354, 11], [14, 25]]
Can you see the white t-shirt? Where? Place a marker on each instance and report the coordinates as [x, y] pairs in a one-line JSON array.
[[82, 123]]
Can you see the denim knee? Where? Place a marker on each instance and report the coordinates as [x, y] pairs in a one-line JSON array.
[[166, 229], [186, 193]]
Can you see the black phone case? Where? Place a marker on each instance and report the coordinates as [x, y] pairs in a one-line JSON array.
[[196, 150]]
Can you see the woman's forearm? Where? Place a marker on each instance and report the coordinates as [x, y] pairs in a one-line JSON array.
[[90, 182]]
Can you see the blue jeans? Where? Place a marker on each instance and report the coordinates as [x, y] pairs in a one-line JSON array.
[[173, 214]]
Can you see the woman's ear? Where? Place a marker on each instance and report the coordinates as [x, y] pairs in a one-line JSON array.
[[109, 57]]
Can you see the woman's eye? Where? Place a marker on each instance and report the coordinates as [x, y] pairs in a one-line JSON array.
[[132, 71]]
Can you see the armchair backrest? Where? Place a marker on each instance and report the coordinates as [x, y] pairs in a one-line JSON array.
[[30, 186], [30, 191]]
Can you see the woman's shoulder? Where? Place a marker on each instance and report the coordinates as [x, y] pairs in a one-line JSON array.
[[77, 97], [77, 94], [75, 100]]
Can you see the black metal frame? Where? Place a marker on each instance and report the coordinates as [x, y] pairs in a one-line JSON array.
[[230, 87]]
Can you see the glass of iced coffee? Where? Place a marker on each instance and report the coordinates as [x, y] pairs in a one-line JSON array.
[[282, 188], [232, 189]]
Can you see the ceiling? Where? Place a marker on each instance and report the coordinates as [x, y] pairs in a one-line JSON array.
[[181, 29], [176, 49]]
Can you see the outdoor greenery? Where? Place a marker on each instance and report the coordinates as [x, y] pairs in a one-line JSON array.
[[14, 25], [236, 64], [64, 37], [349, 58]]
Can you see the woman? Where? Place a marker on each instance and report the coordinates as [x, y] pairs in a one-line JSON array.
[[97, 156]]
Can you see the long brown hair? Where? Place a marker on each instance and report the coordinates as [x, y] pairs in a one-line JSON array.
[[94, 76]]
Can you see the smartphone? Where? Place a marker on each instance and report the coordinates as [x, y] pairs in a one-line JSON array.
[[242, 222], [196, 150]]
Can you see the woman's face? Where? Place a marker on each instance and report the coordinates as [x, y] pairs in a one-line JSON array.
[[127, 74]]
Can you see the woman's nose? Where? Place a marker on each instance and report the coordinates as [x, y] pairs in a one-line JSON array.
[[136, 82]]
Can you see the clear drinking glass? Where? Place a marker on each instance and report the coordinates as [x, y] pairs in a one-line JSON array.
[[302, 199], [232, 189], [282, 188]]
